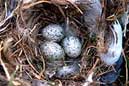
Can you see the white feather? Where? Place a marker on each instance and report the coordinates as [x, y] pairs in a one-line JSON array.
[[115, 48]]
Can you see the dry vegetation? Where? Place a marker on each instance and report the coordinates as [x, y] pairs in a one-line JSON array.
[[20, 56]]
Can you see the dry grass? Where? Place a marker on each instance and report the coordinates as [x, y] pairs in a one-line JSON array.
[[20, 37]]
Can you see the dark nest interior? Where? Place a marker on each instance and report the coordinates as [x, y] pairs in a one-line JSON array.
[[22, 62]]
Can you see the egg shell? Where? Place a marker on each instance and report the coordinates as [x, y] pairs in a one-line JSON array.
[[72, 46], [53, 32], [52, 50]]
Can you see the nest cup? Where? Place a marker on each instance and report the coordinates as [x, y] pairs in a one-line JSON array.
[[27, 36], [57, 16]]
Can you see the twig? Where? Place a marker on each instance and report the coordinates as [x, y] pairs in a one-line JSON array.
[[125, 25], [90, 74], [14, 53], [31, 65], [60, 83], [92, 69], [61, 10], [89, 79], [28, 75], [12, 76], [36, 75], [35, 3], [75, 6], [41, 73], [126, 66], [3, 64], [2, 30]]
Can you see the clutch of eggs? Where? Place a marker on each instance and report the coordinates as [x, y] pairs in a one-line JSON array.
[[52, 50]]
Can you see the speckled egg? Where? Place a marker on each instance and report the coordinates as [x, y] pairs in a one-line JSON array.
[[52, 51], [68, 71], [72, 46], [53, 32]]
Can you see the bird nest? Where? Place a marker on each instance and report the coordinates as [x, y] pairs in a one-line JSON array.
[[22, 61]]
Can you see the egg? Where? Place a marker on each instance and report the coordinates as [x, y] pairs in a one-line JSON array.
[[52, 51], [72, 46], [68, 71], [53, 32]]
